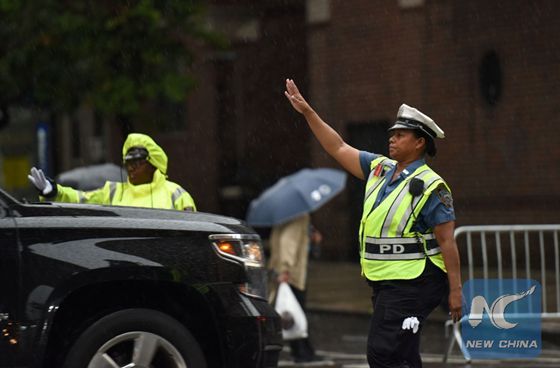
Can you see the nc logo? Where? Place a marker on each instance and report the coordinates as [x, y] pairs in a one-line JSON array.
[[496, 310]]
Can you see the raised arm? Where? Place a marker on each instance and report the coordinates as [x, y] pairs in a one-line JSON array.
[[346, 155]]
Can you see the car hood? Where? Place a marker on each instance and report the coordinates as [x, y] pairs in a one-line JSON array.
[[129, 217]]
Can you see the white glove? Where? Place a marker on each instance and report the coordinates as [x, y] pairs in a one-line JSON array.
[[39, 180], [411, 323]]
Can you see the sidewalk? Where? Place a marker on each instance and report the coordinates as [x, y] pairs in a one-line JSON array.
[[337, 287], [334, 286]]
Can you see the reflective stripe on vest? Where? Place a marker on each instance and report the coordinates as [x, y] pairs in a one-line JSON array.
[[373, 184], [378, 182], [112, 190], [81, 197], [176, 195], [399, 223], [393, 240], [400, 248]]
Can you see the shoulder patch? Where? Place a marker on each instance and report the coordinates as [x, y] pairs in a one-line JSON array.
[[445, 197]]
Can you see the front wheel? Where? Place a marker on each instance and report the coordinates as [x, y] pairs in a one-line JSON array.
[[135, 338]]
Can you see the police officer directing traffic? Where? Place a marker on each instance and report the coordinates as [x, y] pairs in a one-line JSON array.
[[147, 184], [407, 250]]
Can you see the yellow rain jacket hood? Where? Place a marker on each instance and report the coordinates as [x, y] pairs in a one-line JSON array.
[[156, 155], [160, 193]]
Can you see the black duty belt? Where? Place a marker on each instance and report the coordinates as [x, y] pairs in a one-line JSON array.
[[398, 249]]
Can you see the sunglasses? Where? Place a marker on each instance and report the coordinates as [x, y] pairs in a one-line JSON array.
[[135, 163]]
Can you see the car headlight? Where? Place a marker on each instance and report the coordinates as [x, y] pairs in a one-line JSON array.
[[247, 249]]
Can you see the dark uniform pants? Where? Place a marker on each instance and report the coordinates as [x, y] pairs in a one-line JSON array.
[[389, 346]]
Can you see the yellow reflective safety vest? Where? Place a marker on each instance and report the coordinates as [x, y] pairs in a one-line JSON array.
[[389, 249], [160, 193]]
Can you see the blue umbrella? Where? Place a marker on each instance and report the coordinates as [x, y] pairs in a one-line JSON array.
[[294, 195]]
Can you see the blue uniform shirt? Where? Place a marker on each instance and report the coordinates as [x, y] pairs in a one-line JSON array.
[[433, 213]]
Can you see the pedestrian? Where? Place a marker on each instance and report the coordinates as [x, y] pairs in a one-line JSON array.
[[407, 250], [147, 184], [289, 254]]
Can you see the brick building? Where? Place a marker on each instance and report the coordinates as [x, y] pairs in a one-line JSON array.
[[485, 71]]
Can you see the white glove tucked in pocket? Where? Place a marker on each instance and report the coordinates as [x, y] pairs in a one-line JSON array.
[[411, 323]]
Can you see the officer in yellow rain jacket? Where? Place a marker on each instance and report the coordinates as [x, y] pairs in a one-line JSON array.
[[408, 252], [147, 184]]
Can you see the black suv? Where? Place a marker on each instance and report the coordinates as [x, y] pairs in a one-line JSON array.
[[99, 286]]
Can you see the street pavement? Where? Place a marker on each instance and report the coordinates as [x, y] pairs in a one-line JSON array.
[[338, 316]]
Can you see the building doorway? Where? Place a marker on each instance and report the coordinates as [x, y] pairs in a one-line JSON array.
[[367, 136]]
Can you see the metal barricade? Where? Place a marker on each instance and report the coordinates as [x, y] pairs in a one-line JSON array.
[[510, 252]]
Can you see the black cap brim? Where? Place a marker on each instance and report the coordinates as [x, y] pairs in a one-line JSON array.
[[136, 153], [413, 125]]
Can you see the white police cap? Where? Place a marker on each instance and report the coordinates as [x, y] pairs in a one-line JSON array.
[[410, 118]]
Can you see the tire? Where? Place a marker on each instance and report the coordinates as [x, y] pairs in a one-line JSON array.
[[158, 340]]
